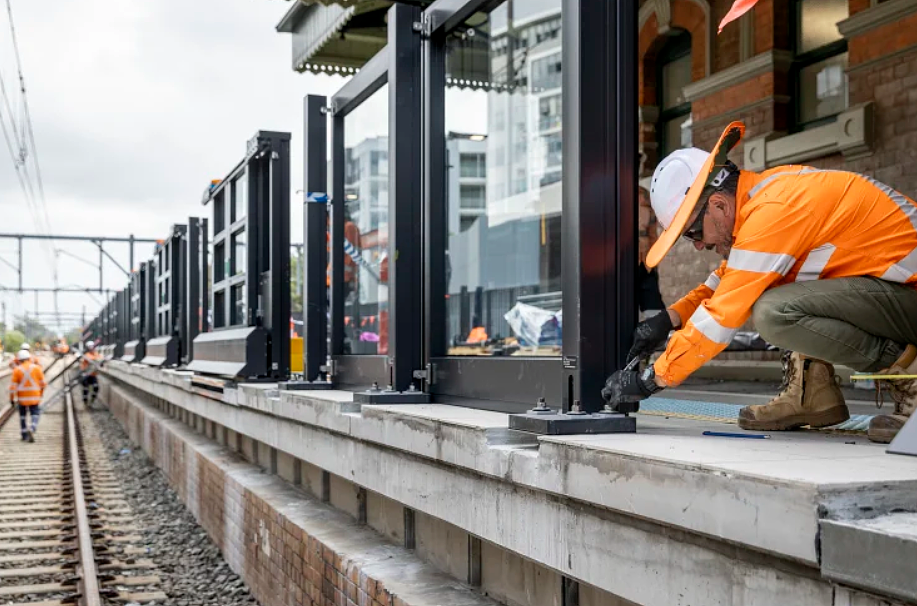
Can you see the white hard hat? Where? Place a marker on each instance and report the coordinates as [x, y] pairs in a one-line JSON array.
[[25, 347], [90, 344], [672, 179], [679, 182], [24, 354]]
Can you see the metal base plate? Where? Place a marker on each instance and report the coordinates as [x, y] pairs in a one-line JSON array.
[[567, 425], [905, 443], [391, 397], [305, 385]]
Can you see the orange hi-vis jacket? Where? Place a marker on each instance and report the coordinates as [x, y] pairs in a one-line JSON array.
[[28, 383], [793, 223], [89, 362]]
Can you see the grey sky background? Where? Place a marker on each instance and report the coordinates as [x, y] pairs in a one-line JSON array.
[[135, 106]]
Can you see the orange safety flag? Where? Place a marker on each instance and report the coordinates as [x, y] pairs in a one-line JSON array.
[[477, 335], [739, 8]]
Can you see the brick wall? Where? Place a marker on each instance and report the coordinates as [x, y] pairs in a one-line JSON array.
[[290, 549]]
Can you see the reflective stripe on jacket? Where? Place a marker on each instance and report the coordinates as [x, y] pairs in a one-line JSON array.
[[28, 383], [793, 223]]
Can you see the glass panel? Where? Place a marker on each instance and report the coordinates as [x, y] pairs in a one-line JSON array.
[[823, 89], [503, 245], [219, 265], [238, 253], [165, 292], [240, 196], [238, 305], [219, 212], [676, 75], [818, 23], [219, 309], [366, 227], [167, 255]]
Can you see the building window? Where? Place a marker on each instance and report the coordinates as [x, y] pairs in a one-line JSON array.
[[238, 308], [472, 196], [550, 112], [238, 253], [820, 68], [473, 165], [546, 73], [674, 73]]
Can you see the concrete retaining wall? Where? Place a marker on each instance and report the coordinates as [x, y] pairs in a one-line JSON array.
[[465, 501]]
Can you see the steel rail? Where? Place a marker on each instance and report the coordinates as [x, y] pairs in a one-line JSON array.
[[89, 582]]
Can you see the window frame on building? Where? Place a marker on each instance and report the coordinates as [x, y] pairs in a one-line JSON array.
[[677, 47], [805, 59]]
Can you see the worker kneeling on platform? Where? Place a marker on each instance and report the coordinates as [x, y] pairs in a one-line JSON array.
[[824, 261], [27, 384], [89, 365]]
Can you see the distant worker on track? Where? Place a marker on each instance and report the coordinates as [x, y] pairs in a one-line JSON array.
[[89, 365], [824, 261], [27, 385]]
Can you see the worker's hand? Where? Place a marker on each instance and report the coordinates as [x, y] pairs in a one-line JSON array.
[[649, 335], [629, 387]]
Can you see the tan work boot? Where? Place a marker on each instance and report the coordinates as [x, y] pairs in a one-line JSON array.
[[810, 396], [883, 428]]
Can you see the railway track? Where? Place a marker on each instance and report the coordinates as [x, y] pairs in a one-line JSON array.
[[66, 533]]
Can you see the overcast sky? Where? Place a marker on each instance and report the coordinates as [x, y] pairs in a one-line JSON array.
[[135, 106]]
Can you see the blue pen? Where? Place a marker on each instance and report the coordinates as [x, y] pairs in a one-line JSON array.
[[750, 436]]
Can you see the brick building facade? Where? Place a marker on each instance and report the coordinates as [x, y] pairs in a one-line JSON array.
[[827, 83]]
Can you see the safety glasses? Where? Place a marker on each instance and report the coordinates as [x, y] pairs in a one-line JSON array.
[[695, 233]]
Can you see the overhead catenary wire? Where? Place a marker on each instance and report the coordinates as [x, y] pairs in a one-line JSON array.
[[28, 150]]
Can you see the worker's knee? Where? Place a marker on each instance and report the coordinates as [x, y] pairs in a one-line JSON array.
[[775, 317]]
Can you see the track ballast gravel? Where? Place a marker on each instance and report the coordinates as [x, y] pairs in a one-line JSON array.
[[192, 569]]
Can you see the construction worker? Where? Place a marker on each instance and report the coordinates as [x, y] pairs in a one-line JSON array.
[[26, 387], [89, 365], [824, 262]]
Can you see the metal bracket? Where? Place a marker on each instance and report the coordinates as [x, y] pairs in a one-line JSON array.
[[424, 27], [328, 110], [330, 368], [428, 374]]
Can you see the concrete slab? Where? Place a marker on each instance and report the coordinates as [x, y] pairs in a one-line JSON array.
[[767, 496], [890, 541]]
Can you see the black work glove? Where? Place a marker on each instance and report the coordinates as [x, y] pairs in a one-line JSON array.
[[650, 334], [625, 388]]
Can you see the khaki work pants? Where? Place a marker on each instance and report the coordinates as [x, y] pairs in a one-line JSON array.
[[863, 323]]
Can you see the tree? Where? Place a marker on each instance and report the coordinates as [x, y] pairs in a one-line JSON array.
[[13, 341]]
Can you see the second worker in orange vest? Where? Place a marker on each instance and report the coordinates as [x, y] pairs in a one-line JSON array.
[[26, 387], [824, 261]]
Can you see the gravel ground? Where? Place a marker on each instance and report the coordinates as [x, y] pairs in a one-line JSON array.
[[191, 567]]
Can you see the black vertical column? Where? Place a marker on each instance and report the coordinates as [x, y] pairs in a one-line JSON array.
[[436, 218], [599, 231], [337, 235], [193, 288], [405, 196], [315, 224], [280, 255]]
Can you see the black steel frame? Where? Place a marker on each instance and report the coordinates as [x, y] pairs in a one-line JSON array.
[[197, 302], [265, 170], [315, 227], [351, 370]]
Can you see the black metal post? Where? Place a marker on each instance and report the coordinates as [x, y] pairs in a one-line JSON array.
[[315, 219], [436, 218], [406, 195], [193, 289], [279, 234], [131, 266], [337, 234]]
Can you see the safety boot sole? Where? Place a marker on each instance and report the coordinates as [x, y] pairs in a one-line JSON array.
[[822, 418]]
